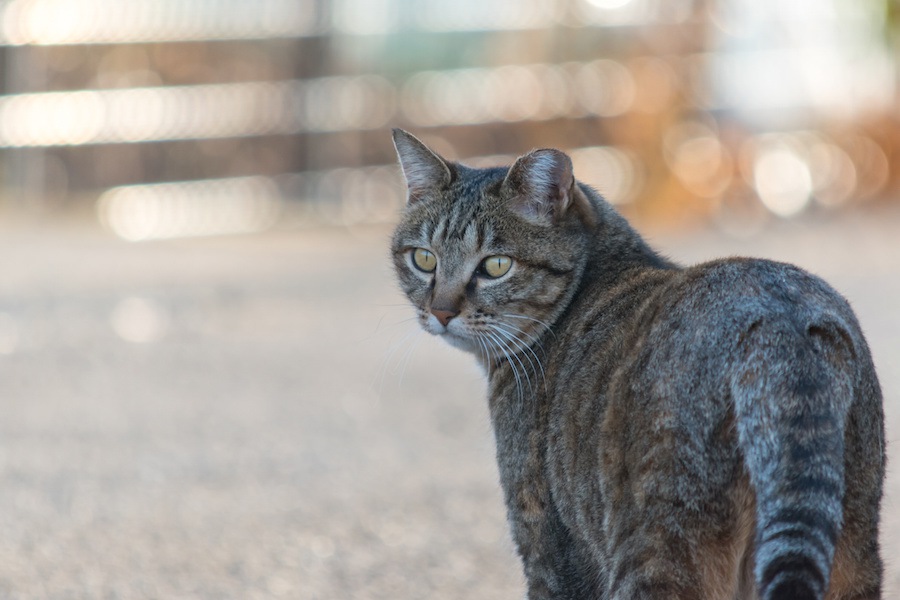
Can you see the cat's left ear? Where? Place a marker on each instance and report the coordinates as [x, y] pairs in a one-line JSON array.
[[423, 169], [541, 187]]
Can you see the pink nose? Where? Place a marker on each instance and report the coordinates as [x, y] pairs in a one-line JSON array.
[[444, 316]]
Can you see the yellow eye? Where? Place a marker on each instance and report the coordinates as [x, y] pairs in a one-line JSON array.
[[496, 266], [424, 260]]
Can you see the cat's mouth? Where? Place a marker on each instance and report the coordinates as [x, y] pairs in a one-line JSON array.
[[480, 336], [462, 342], [456, 331]]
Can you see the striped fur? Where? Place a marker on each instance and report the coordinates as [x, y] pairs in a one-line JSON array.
[[705, 432]]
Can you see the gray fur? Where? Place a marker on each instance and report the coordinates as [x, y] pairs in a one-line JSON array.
[[713, 431]]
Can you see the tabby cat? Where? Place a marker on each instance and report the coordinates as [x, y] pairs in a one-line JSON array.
[[665, 432]]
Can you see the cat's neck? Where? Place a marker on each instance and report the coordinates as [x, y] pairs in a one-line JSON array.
[[616, 253], [616, 249]]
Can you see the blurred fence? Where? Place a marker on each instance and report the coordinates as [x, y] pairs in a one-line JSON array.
[[196, 117]]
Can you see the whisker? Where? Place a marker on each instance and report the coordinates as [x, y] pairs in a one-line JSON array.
[[498, 343], [525, 348], [381, 375], [408, 356], [545, 326], [379, 305], [483, 352], [511, 346], [378, 326], [407, 320], [492, 357], [509, 352], [512, 316], [515, 355], [531, 337]]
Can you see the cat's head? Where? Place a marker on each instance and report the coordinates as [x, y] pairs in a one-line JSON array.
[[490, 257]]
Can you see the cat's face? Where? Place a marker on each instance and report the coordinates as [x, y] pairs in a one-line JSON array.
[[488, 257]]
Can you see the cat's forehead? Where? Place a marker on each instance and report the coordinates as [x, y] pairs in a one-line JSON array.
[[476, 182], [456, 230], [464, 218]]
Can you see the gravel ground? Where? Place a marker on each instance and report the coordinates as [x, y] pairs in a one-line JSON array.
[[255, 417]]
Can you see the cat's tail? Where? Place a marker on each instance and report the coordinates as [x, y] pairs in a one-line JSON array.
[[792, 394]]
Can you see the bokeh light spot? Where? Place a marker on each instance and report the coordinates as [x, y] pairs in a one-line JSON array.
[[611, 171], [782, 180], [190, 208]]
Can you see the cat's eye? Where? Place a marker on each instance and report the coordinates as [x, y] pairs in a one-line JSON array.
[[424, 260], [496, 266]]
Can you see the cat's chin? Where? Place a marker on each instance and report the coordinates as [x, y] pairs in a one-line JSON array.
[[454, 334], [463, 343]]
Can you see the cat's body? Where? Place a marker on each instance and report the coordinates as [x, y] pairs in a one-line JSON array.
[[662, 432]]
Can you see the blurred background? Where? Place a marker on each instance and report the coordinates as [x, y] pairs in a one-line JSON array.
[[729, 110], [193, 413]]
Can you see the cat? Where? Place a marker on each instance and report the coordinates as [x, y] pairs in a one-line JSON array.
[[662, 432]]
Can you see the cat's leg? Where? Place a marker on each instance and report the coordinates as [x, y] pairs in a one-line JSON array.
[[680, 518], [660, 562], [855, 574], [856, 571], [555, 565]]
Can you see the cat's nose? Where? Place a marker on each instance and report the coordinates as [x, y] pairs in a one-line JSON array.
[[444, 316]]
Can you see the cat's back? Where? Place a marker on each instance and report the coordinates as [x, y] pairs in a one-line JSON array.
[[688, 329], [708, 309], [715, 309]]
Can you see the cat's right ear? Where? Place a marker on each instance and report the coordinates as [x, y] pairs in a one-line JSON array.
[[423, 169], [540, 185], [541, 188]]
